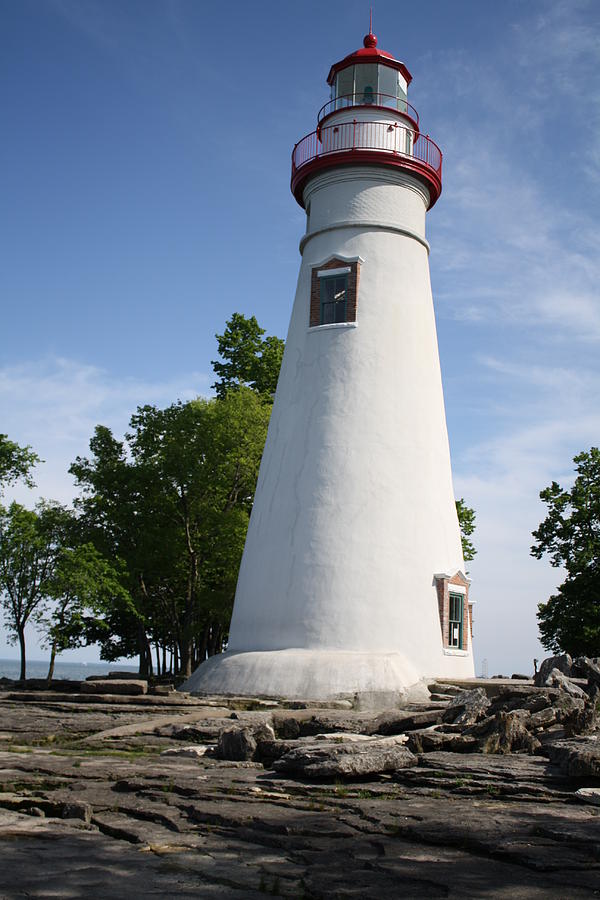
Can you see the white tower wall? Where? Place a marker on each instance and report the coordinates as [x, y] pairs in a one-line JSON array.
[[354, 511]]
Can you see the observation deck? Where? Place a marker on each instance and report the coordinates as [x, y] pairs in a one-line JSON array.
[[364, 142], [368, 120]]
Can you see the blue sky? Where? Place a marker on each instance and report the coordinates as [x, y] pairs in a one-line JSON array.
[[144, 177]]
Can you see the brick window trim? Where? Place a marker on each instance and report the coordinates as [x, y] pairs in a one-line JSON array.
[[336, 262], [444, 584]]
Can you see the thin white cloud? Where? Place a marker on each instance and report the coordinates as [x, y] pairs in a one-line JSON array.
[[516, 237], [513, 252], [528, 445], [54, 405], [555, 378]]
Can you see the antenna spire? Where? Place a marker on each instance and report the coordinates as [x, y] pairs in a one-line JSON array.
[[369, 39]]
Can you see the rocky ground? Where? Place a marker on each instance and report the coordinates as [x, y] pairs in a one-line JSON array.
[[490, 789]]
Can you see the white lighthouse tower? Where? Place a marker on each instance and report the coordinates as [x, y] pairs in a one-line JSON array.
[[352, 574]]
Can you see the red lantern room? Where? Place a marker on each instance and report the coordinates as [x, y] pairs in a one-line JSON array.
[[368, 120]]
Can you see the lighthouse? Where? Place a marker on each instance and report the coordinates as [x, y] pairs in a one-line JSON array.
[[352, 578]]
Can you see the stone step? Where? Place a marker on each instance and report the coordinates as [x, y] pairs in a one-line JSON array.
[[128, 686]]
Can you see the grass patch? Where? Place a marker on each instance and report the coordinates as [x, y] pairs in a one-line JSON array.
[[34, 787], [41, 741], [341, 789]]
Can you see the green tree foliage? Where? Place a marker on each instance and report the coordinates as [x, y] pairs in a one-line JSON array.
[[570, 534], [204, 458], [249, 358], [84, 587], [15, 462], [466, 521], [173, 502], [115, 517], [29, 544]]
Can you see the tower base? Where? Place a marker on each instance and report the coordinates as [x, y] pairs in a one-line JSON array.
[[316, 674]]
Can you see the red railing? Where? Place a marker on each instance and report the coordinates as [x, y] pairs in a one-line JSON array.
[[387, 101], [384, 137]]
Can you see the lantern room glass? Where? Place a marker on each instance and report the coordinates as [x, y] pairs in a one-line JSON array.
[[345, 87], [365, 84], [369, 84]]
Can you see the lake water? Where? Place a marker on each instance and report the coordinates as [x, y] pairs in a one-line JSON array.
[[37, 668]]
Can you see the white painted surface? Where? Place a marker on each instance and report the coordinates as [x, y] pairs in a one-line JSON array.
[[328, 273], [309, 674], [333, 325], [368, 114], [354, 508]]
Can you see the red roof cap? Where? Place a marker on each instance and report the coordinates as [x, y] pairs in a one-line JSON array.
[[369, 54]]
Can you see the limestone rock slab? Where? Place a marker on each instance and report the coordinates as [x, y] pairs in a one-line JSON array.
[[349, 760], [129, 686], [577, 757], [467, 707]]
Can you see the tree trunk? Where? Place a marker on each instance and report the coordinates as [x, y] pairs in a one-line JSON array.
[[141, 642], [187, 642], [50, 675], [203, 645], [149, 666], [145, 652], [21, 633], [157, 649], [215, 644], [186, 659]]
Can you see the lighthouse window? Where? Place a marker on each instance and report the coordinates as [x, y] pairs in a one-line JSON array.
[[388, 86], [333, 299], [334, 292], [401, 93], [455, 620], [368, 84], [365, 86], [345, 87]]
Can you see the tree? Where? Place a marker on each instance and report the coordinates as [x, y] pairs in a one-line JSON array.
[[248, 358], [466, 521], [570, 534], [84, 586], [29, 543], [173, 501], [569, 621], [15, 462], [116, 517], [203, 458]]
